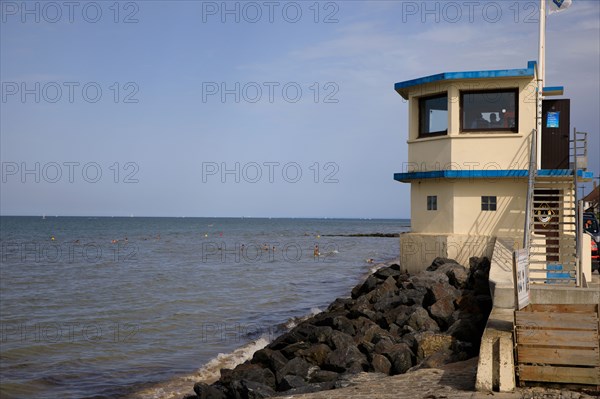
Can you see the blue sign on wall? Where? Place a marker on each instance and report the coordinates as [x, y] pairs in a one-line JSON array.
[[552, 119]]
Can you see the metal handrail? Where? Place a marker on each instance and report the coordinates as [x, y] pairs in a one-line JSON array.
[[530, 187]]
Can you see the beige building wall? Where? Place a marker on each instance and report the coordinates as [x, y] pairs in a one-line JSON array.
[[459, 207], [467, 151]]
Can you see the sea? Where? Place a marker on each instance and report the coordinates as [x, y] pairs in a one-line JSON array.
[[102, 307]]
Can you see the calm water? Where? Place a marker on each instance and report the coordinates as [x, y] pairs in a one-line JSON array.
[[134, 307]]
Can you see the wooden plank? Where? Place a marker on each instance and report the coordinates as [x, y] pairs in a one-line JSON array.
[[572, 357], [564, 308], [588, 339], [576, 321], [569, 375]]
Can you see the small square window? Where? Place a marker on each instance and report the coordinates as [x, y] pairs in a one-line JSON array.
[[488, 203], [432, 202]]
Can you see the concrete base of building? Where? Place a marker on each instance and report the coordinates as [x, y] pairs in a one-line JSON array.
[[418, 250]]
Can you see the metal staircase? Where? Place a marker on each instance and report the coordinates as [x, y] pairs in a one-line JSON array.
[[552, 219]]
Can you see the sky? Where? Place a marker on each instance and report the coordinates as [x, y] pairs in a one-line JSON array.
[[253, 109]]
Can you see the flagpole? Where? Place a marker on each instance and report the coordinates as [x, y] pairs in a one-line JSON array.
[[541, 71]]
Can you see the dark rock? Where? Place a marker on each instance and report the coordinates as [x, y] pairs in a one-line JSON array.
[[362, 308], [290, 351], [427, 279], [420, 321], [249, 372], [466, 329], [442, 312], [309, 388], [296, 366], [313, 333], [340, 340], [437, 262], [291, 382], [370, 283], [372, 332], [383, 345], [343, 324], [323, 376], [457, 274], [274, 360], [398, 315], [438, 291], [415, 296], [242, 389], [479, 270], [381, 364], [205, 391], [389, 302], [316, 354], [254, 390], [340, 304], [386, 272], [401, 358], [349, 360], [362, 324]]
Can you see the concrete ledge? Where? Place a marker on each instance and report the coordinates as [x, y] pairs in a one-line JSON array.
[[557, 295], [495, 370]]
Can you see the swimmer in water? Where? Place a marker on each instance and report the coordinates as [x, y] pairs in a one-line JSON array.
[[316, 251]]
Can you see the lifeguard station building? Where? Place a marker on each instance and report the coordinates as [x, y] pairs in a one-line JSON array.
[[479, 172]]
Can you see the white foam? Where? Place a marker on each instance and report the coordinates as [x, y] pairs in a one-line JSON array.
[[209, 373]]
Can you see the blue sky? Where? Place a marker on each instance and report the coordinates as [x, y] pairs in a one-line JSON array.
[[275, 109]]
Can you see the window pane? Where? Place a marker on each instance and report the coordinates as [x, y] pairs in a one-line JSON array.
[[433, 115], [490, 110], [488, 203], [432, 202]]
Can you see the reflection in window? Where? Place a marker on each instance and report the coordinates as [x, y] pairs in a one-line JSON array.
[[495, 110], [433, 115]]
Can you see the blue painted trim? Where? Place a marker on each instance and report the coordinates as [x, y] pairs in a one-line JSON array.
[[486, 174], [499, 73]]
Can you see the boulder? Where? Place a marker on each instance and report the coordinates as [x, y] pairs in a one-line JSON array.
[[290, 382], [437, 262], [385, 272], [322, 376], [429, 343], [274, 360], [420, 321], [343, 324], [437, 291], [297, 366], [457, 274], [401, 358], [291, 350], [381, 364], [370, 283], [349, 360], [249, 372], [316, 354], [205, 391], [340, 340], [442, 312]]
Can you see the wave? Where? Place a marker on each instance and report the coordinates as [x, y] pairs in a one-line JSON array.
[[180, 386]]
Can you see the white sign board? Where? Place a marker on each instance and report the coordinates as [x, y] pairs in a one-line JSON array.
[[521, 277]]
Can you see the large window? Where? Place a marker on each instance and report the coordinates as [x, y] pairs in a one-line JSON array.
[[489, 110], [433, 115]]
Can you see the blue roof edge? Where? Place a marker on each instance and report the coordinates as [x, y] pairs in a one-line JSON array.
[[485, 174], [498, 73]]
